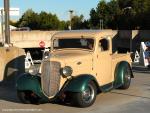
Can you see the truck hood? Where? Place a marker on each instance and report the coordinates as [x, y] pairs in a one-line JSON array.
[[79, 60], [71, 55]]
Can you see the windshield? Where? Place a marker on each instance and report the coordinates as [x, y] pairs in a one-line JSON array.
[[82, 43]]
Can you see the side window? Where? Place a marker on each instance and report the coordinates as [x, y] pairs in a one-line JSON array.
[[103, 45]]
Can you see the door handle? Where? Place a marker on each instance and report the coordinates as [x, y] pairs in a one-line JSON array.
[[79, 63]]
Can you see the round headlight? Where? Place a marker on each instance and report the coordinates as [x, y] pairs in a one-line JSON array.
[[67, 71]]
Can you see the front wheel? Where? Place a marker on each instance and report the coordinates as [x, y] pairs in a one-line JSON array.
[[28, 97], [127, 78], [87, 97]]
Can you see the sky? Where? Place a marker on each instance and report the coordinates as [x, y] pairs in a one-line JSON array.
[[58, 7]]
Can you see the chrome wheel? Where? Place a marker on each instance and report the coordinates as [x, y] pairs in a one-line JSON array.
[[88, 94], [127, 77], [87, 97]]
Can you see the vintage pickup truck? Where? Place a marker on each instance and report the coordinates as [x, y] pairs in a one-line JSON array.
[[81, 64]]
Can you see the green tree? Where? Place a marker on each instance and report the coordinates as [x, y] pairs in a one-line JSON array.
[[77, 22], [121, 14], [41, 21], [63, 25], [114, 12], [94, 19], [142, 16], [103, 12], [13, 23], [106, 11], [48, 21], [29, 19]]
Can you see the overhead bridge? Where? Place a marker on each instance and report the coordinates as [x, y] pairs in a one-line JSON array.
[[31, 39]]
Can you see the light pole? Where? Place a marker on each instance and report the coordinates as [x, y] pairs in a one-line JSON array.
[[101, 24], [129, 8], [71, 16], [7, 29], [101, 21]]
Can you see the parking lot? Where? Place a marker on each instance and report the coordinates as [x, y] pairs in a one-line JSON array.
[[134, 100]]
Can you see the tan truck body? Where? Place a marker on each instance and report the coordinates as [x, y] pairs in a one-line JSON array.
[[80, 64], [103, 70]]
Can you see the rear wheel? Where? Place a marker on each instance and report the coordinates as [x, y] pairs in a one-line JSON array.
[[28, 97], [127, 78], [87, 97]]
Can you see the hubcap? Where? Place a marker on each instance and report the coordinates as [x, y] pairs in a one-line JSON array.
[[88, 94], [127, 76]]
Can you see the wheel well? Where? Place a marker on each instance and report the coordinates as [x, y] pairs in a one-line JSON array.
[[81, 80], [120, 64], [118, 72]]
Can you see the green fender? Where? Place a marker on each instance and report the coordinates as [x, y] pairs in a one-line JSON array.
[[79, 83], [28, 82], [119, 73]]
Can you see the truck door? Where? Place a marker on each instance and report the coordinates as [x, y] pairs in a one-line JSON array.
[[103, 62]]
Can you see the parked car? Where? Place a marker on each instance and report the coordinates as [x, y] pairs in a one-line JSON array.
[[81, 64], [22, 29]]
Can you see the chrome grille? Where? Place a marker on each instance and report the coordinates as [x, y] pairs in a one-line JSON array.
[[50, 77]]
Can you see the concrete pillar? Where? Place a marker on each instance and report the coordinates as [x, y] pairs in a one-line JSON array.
[[11, 62]]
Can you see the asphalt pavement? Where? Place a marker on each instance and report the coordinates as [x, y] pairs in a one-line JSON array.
[[134, 100]]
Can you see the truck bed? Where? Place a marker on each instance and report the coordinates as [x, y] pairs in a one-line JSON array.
[[121, 56], [116, 58]]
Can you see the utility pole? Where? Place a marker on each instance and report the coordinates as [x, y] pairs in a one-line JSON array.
[[101, 24], [7, 29], [71, 16], [129, 9], [2, 25]]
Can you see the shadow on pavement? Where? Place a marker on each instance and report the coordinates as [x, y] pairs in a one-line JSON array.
[[130, 95], [141, 69], [8, 91]]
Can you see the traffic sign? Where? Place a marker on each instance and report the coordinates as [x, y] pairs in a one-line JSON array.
[[12, 11], [42, 44]]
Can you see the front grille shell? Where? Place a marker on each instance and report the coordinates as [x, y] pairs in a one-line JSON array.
[[50, 77]]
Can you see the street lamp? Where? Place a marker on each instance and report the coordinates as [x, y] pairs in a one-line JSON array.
[[71, 16], [127, 8]]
